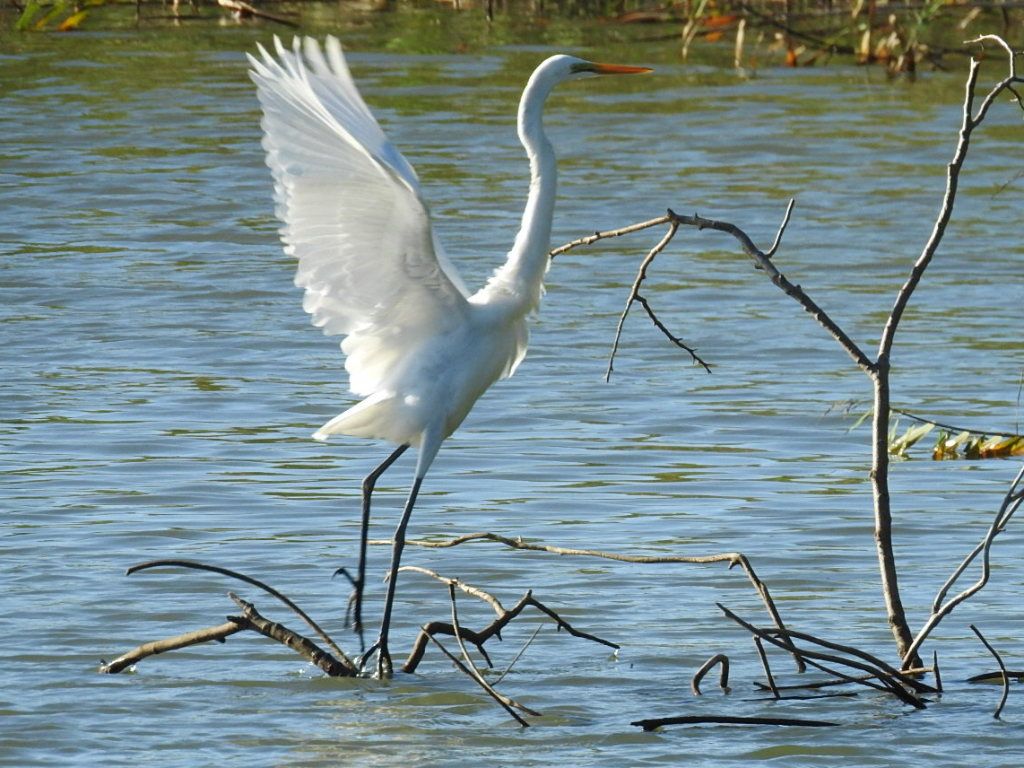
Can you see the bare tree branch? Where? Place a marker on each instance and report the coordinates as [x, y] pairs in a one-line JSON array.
[[1012, 501], [1002, 669], [897, 683], [473, 671]]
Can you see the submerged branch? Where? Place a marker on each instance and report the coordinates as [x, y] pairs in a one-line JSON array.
[[707, 666], [1002, 670], [657, 722]]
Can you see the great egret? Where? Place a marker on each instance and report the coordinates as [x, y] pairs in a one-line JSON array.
[[420, 348]]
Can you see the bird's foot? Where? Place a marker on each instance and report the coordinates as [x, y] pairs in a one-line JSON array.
[[383, 668], [354, 607]]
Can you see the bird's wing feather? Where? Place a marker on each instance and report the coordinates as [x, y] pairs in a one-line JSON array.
[[351, 207]]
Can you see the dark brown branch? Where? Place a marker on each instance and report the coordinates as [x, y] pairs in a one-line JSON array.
[[894, 684], [817, 684], [491, 630], [195, 565], [767, 668], [654, 723], [137, 654], [314, 654], [993, 677], [763, 261], [1002, 670], [634, 296], [707, 666]]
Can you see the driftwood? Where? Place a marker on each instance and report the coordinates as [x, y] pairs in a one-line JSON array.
[[658, 722], [211, 634]]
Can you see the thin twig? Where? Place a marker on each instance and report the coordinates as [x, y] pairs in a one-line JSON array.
[[472, 667], [951, 427], [816, 684], [634, 296], [590, 239], [487, 597], [458, 663], [1002, 670], [519, 655], [195, 565]]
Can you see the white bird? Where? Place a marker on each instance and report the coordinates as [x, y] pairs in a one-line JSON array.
[[420, 348]]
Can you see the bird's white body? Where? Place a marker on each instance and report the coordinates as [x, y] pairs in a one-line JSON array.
[[420, 350], [430, 384]]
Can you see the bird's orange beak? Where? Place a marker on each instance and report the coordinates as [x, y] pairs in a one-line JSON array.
[[619, 69]]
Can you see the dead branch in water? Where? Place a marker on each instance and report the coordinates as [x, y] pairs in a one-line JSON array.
[[251, 620], [707, 666], [478, 638], [1002, 671], [211, 634], [658, 722], [732, 558]]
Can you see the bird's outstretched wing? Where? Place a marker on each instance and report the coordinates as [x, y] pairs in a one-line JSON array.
[[352, 212]]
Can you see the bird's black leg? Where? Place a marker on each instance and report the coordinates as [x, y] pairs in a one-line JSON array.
[[355, 601], [384, 668]]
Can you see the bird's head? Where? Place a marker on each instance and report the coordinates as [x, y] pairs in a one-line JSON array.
[[564, 67]]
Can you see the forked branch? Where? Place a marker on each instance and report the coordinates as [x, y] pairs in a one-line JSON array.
[[941, 607], [494, 629]]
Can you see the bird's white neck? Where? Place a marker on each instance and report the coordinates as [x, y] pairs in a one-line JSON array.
[[522, 275]]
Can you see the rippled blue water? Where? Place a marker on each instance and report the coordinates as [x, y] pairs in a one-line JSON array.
[[161, 381]]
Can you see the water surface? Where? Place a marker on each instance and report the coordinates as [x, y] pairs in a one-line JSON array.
[[161, 382]]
